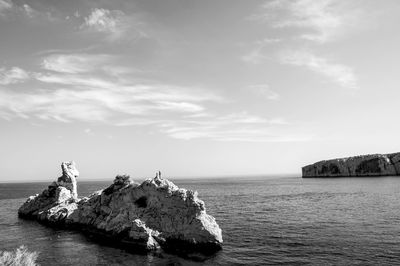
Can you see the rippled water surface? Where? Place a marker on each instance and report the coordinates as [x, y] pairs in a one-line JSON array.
[[265, 221]]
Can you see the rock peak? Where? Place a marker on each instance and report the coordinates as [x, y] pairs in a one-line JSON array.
[[122, 180], [68, 178], [69, 169]]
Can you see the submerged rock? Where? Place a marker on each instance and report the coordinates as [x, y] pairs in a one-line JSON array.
[[148, 216], [364, 165]]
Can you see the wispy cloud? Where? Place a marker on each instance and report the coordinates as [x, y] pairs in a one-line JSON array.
[[88, 131], [30, 12], [121, 107], [104, 20], [74, 63], [114, 23], [257, 54], [4, 6], [233, 127], [341, 74], [80, 87], [73, 80], [264, 91], [101, 105], [320, 21], [13, 75], [10, 9]]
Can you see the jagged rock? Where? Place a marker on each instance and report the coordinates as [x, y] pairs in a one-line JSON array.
[[142, 234], [150, 215], [364, 165], [122, 180], [50, 204], [68, 178]]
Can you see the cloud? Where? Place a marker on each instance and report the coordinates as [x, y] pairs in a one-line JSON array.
[[319, 16], [13, 75], [257, 54], [88, 132], [338, 73], [163, 94], [179, 106], [80, 88], [9, 8], [247, 131], [321, 21], [114, 23], [4, 6], [265, 91], [104, 20], [122, 107], [243, 135], [106, 106], [99, 71], [30, 12], [74, 63], [73, 80], [240, 126]]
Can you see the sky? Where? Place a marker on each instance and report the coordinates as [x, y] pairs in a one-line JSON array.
[[195, 88]]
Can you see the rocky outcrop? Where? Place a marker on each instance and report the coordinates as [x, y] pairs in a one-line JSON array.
[[364, 165], [148, 216], [68, 178], [60, 197]]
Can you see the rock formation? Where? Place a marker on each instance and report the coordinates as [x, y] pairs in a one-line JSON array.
[[150, 215], [68, 178], [364, 165], [62, 192]]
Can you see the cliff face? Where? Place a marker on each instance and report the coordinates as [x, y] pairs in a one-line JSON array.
[[148, 216], [364, 165]]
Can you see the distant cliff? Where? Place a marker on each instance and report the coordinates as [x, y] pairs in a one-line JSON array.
[[363, 165]]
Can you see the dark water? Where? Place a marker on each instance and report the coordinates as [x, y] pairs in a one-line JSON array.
[[281, 221]]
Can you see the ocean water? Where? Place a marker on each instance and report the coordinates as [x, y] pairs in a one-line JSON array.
[[265, 221]]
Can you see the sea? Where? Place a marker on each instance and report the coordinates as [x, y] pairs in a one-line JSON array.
[[264, 221]]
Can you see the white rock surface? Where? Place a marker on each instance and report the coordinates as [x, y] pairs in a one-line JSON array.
[[364, 165], [50, 204], [68, 178], [152, 214]]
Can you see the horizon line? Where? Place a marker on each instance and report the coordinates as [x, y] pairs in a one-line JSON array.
[[236, 176]]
